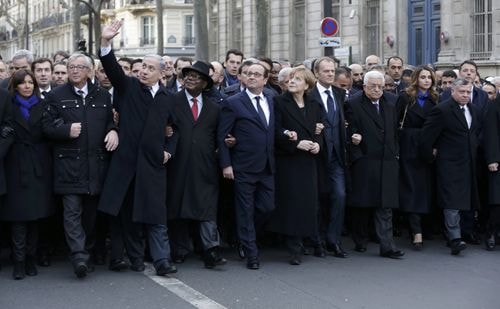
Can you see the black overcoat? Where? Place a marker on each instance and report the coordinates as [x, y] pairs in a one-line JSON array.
[[28, 169], [80, 164], [193, 182], [137, 163], [5, 121], [416, 176], [492, 148], [374, 162], [446, 130], [296, 177]]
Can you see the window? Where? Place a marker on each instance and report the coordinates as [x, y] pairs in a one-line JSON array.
[[482, 24], [236, 24], [213, 27], [299, 34], [373, 27], [188, 30], [148, 34]]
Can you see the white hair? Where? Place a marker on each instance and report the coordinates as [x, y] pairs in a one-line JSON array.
[[373, 75]]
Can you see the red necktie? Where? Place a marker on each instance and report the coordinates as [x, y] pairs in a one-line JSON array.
[[194, 108]]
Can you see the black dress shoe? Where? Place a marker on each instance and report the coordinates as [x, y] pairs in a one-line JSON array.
[[393, 254], [457, 246], [337, 250], [319, 251], [178, 258], [241, 251], [118, 265], [165, 268], [295, 260], [30, 266], [253, 263], [138, 265], [43, 259], [19, 271], [360, 248], [81, 269], [489, 242], [418, 246], [213, 258]]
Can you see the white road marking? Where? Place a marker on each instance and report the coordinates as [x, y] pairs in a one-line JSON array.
[[182, 290]]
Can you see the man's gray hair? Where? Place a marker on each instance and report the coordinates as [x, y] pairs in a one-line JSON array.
[[159, 58], [284, 73], [373, 75], [75, 56], [23, 53], [460, 82]]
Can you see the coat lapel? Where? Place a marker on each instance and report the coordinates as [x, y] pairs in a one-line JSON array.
[[460, 115], [367, 105], [248, 105], [296, 113], [18, 117]]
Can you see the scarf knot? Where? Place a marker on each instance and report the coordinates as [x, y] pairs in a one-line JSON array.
[[26, 104]]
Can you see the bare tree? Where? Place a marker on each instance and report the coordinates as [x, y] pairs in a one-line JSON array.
[[76, 24], [201, 29], [95, 7], [261, 26], [19, 25], [159, 25]]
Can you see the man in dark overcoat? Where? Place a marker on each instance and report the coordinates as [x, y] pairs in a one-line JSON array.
[[450, 137], [134, 192], [373, 158], [193, 182], [78, 119]]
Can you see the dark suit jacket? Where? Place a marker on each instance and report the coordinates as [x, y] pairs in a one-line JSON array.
[[446, 130], [5, 121], [138, 161], [254, 149]]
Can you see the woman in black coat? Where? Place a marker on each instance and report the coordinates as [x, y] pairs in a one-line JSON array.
[[416, 176], [297, 143], [492, 154], [28, 171]]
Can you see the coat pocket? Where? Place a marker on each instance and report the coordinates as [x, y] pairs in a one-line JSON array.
[[67, 165]]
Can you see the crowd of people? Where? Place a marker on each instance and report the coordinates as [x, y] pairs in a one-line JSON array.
[[110, 152]]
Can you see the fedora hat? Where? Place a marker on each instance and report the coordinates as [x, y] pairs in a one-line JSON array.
[[201, 68]]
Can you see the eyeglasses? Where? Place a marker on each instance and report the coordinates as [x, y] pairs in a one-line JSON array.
[[373, 87], [77, 67], [256, 74]]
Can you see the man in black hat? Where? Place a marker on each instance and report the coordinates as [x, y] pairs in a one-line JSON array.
[[193, 180]]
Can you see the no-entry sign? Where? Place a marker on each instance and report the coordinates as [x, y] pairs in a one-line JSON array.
[[329, 26]]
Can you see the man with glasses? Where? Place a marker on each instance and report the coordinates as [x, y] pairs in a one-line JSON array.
[[249, 117], [79, 121], [373, 158], [22, 59]]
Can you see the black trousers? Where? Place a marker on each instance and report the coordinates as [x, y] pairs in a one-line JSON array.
[[180, 235], [382, 219], [24, 239]]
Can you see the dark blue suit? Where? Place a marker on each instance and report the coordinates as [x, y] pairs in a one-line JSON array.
[[252, 160], [332, 166]]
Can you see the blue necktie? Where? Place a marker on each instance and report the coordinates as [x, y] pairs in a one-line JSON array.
[[330, 104], [260, 111]]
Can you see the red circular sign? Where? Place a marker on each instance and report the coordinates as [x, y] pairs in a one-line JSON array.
[[329, 26]]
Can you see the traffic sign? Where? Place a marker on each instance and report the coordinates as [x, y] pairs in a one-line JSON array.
[[330, 42], [329, 26]]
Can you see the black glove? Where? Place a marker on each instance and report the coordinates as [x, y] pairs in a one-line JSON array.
[[6, 131], [58, 122]]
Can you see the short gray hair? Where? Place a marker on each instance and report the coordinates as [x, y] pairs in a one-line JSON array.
[[75, 56], [283, 73], [159, 58], [460, 82], [23, 53], [373, 75]]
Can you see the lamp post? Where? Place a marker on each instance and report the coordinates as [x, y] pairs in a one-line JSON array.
[[26, 24], [91, 27]]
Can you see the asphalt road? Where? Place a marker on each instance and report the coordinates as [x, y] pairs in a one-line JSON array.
[[428, 279]]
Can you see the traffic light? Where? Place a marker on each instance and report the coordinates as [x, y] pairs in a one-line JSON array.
[[82, 45]]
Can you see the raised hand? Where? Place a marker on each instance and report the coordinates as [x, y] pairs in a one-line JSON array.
[[110, 31]]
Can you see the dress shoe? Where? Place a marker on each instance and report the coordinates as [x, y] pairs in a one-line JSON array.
[[472, 239], [30, 266], [295, 260], [489, 242], [138, 265], [417, 246], [165, 268], [393, 254], [19, 271], [253, 263], [99, 259], [319, 251], [43, 259], [178, 258], [336, 250], [360, 248], [213, 258], [81, 269], [456, 246], [118, 265], [241, 251]]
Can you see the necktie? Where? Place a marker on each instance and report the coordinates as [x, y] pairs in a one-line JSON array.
[[82, 95], [44, 94], [260, 111], [467, 117], [330, 103], [377, 106], [194, 108]]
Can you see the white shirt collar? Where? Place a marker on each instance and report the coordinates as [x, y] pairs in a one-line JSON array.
[[85, 90]]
